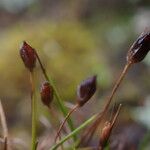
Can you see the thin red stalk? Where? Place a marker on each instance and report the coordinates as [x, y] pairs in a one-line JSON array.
[[63, 123], [90, 131], [4, 127], [42, 67], [116, 116], [31, 83], [3, 121]]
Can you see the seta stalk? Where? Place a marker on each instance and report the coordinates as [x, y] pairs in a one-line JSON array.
[[34, 112]]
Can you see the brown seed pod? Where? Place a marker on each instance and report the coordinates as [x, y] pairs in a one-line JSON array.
[[28, 56], [47, 93], [139, 49], [86, 90], [106, 131]]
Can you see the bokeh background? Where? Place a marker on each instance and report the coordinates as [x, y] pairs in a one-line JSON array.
[[75, 39]]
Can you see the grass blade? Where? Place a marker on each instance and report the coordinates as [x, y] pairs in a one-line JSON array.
[[73, 132]]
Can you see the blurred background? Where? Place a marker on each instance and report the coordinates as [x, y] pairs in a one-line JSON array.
[[75, 39]]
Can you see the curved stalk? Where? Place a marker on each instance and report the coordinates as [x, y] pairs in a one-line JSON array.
[[63, 123]]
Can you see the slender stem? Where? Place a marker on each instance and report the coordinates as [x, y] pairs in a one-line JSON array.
[[58, 98], [116, 116], [4, 127], [73, 133], [89, 133], [33, 109], [63, 123], [116, 86], [3, 121]]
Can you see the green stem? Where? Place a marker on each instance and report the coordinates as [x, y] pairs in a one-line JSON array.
[[73, 132], [58, 98], [33, 109]]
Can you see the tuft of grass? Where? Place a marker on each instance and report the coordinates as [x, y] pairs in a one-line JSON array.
[[87, 88]]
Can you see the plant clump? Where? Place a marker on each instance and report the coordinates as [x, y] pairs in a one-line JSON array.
[[85, 90]]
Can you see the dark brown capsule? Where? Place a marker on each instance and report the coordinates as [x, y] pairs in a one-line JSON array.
[[47, 93], [28, 56], [86, 90], [139, 49]]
